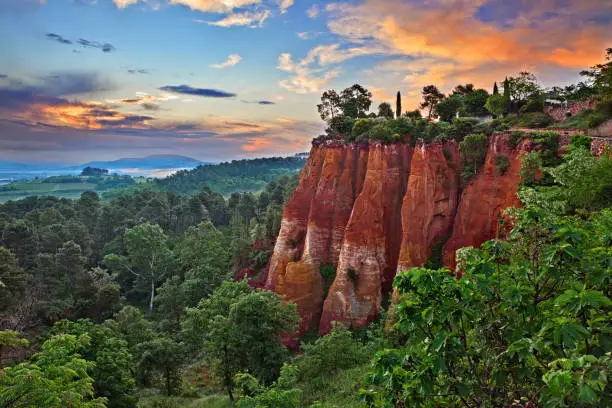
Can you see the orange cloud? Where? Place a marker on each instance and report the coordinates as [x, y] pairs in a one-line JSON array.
[[443, 42], [256, 144]]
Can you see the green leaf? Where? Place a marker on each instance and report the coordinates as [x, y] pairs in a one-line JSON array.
[[587, 394]]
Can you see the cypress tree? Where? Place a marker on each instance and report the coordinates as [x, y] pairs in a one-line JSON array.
[[398, 105], [495, 90], [507, 96]]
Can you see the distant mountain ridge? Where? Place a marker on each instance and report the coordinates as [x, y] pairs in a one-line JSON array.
[[159, 161]]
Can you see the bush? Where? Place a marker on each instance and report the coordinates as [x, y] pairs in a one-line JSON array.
[[328, 274], [361, 127], [534, 104], [352, 274], [502, 163], [548, 144], [534, 120], [581, 141], [515, 138], [473, 151], [595, 119], [463, 127]]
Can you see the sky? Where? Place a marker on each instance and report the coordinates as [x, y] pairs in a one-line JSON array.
[[217, 80]]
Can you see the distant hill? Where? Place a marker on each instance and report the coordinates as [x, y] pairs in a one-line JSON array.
[[229, 177], [160, 161]]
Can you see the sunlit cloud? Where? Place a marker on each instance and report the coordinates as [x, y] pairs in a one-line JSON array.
[[313, 11], [247, 18], [232, 60], [283, 5]]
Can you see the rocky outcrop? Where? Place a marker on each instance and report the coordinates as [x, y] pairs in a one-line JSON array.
[[430, 203], [371, 209], [305, 243], [368, 258], [485, 197]]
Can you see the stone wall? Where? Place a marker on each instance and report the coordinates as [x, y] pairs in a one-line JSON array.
[[564, 110]]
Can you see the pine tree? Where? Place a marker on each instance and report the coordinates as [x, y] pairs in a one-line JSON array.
[[495, 90], [398, 105]]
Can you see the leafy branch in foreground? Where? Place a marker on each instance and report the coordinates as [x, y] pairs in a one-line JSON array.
[[526, 326]]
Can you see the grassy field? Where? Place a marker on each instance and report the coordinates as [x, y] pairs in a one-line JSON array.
[[63, 186]]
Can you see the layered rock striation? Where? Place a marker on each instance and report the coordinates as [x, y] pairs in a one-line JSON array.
[[370, 210]]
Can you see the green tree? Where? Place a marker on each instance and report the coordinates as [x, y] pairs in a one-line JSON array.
[[522, 326], [398, 105], [385, 111], [414, 115], [463, 90], [495, 88], [56, 378], [431, 97], [355, 101], [70, 263], [474, 103], [112, 362], [164, 356], [22, 241], [148, 259], [473, 149], [495, 104], [13, 279], [239, 330], [447, 108], [330, 105], [506, 95], [600, 75]]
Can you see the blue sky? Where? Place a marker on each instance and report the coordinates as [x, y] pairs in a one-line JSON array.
[[223, 79]]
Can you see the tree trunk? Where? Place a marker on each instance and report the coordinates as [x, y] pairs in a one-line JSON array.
[[152, 296]]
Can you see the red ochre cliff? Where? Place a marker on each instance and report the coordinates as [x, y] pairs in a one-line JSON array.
[[373, 209]]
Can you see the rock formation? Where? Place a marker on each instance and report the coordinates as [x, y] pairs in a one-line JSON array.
[[371, 209]]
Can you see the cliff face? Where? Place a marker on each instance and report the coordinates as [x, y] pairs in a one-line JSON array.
[[369, 210], [485, 197]]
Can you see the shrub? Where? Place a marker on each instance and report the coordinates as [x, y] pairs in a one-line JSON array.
[[463, 127], [595, 119], [534, 104], [473, 151], [361, 127], [531, 164], [328, 274], [548, 143], [515, 138], [581, 141], [502, 163], [534, 120], [352, 274]]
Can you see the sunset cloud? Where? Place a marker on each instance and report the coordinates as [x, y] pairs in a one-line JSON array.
[[473, 40]]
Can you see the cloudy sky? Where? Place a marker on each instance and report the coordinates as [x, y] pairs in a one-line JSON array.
[[221, 79]]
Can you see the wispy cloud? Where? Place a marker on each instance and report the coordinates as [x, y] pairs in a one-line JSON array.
[[138, 71], [205, 92], [105, 47], [313, 11], [232, 60], [247, 18], [58, 38], [262, 102]]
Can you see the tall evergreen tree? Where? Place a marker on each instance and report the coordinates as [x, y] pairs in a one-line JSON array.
[[506, 95], [398, 105], [495, 89]]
